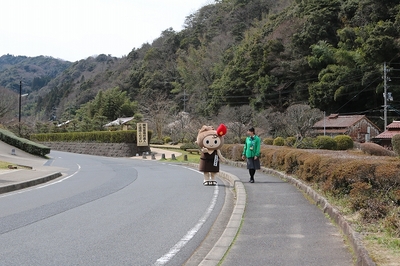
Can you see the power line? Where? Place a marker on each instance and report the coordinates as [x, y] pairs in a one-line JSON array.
[[356, 95]]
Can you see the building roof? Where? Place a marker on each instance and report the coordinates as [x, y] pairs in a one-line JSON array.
[[64, 123], [338, 121], [119, 121], [393, 125], [391, 130], [387, 134], [331, 131]]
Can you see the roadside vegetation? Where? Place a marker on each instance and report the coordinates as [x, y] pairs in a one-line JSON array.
[[5, 165]]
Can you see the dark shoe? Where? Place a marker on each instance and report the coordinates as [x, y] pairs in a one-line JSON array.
[[251, 180]]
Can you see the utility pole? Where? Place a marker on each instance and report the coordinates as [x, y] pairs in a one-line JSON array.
[[20, 97], [385, 94], [19, 108], [184, 100]]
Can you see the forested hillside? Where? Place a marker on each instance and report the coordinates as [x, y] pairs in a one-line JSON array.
[[266, 54], [34, 72]]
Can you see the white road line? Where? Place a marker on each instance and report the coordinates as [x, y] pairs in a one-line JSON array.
[[59, 181], [190, 234], [42, 186]]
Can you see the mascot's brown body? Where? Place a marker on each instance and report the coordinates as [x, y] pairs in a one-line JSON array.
[[209, 141]]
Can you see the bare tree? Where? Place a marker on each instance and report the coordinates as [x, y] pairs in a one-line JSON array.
[[300, 118], [156, 110], [8, 101], [277, 123], [179, 127], [237, 119]]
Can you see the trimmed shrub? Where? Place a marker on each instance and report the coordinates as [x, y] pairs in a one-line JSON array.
[[119, 136], [279, 141], [189, 145], [23, 144], [306, 143], [157, 141], [325, 143], [233, 152], [268, 141], [290, 141], [396, 144], [343, 142], [375, 149], [167, 139]]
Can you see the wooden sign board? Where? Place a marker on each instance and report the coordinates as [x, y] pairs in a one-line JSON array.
[[142, 134]]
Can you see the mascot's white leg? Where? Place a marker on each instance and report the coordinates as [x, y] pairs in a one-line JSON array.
[[212, 178], [206, 178]]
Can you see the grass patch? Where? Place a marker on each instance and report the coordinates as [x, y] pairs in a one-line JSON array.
[[191, 158], [383, 248], [4, 165]]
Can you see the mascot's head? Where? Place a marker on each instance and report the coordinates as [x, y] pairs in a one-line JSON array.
[[210, 138]]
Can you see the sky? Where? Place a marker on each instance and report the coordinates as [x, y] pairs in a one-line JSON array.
[[77, 29]]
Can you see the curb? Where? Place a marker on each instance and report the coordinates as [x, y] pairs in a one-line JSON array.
[[221, 247], [223, 244], [29, 183]]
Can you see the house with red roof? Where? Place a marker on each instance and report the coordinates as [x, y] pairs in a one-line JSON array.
[[358, 127], [385, 138]]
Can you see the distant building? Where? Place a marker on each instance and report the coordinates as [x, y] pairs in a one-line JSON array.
[[385, 138], [120, 123], [64, 124], [358, 127]]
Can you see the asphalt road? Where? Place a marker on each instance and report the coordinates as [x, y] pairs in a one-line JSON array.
[[108, 211]]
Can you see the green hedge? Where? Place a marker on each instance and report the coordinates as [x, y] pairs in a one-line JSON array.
[[23, 144], [123, 136]]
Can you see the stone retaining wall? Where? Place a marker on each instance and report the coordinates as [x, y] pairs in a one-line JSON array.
[[102, 149]]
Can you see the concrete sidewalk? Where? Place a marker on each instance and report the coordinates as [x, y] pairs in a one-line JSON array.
[[281, 227], [31, 170]]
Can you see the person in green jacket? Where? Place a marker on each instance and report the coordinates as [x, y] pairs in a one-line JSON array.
[[251, 151]]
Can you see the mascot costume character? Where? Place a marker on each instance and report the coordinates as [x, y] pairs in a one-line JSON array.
[[209, 141]]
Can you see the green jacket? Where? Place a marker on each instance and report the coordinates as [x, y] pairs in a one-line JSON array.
[[251, 147]]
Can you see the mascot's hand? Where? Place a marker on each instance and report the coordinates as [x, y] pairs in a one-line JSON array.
[[204, 150]]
